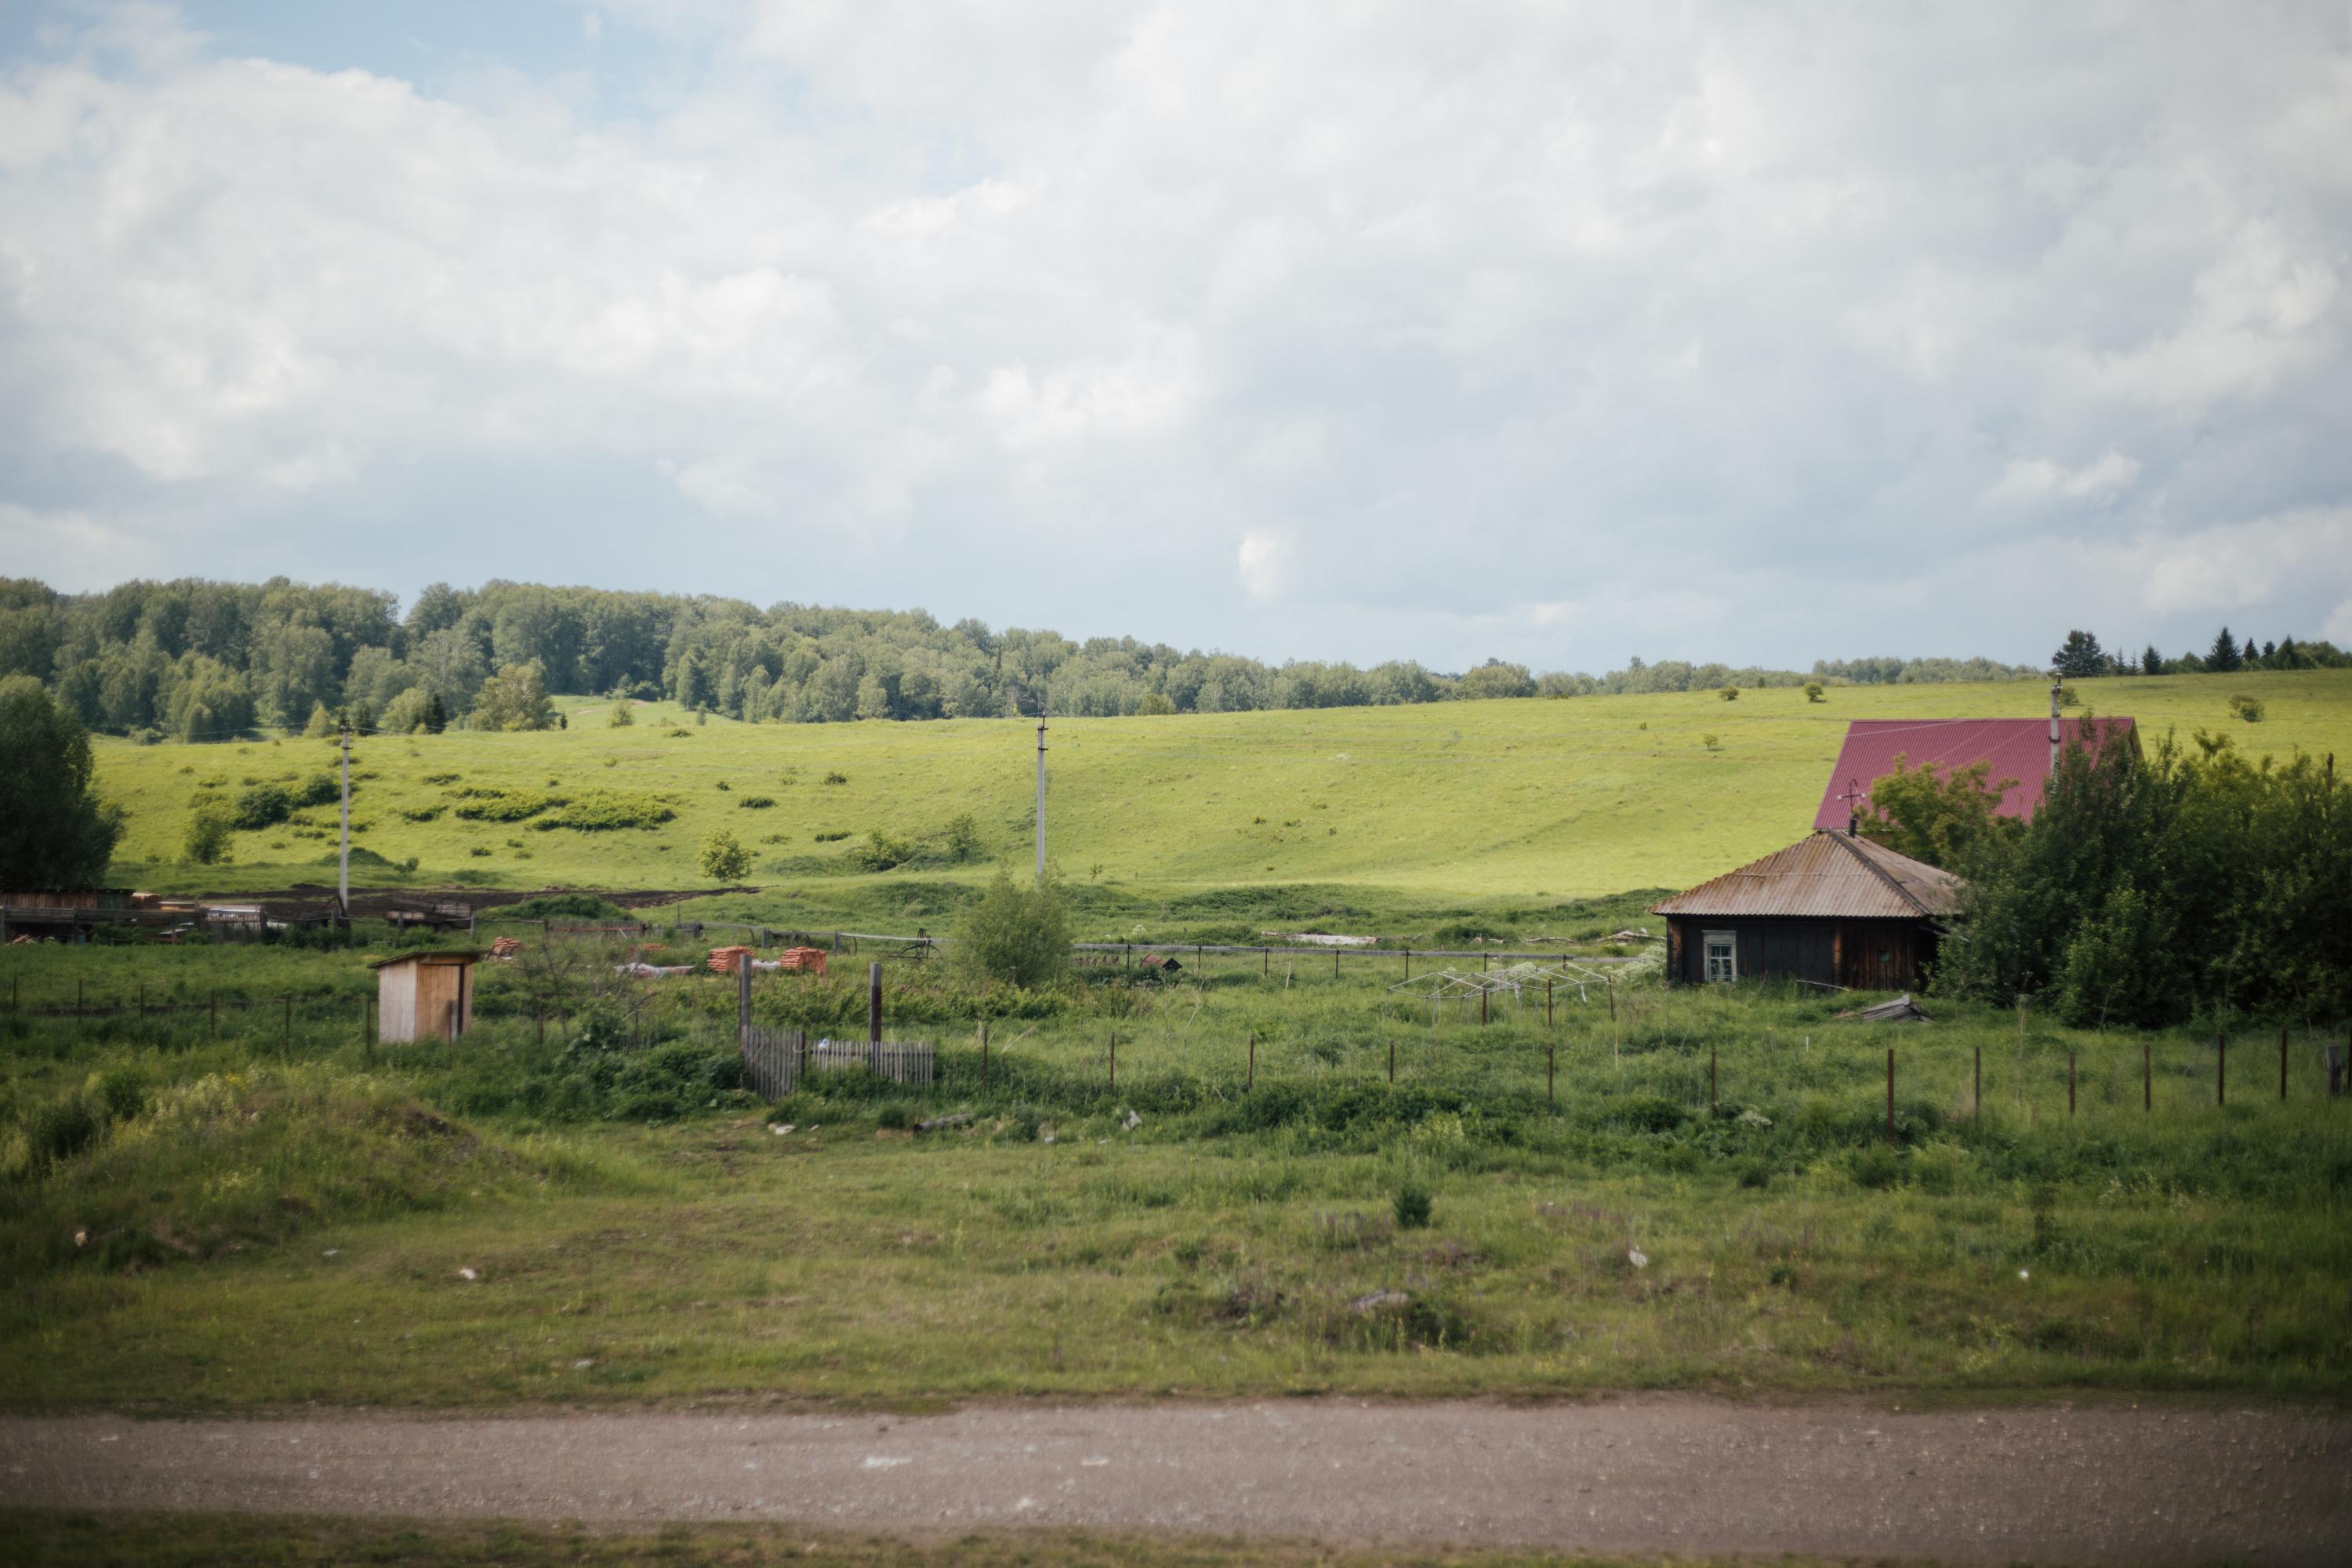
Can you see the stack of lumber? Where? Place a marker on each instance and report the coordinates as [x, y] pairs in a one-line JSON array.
[[807, 960], [728, 960], [1902, 1010], [504, 947]]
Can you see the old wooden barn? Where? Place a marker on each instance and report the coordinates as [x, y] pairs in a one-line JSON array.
[[1832, 909]]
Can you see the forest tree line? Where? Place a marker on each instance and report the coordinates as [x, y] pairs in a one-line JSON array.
[[194, 660]]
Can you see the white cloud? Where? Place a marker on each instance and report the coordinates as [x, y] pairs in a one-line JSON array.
[[1550, 334], [2029, 480]]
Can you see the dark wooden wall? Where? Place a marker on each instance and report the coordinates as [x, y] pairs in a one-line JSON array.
[[1864, 955]]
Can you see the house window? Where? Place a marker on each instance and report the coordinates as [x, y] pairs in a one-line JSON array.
[[1722, 955]]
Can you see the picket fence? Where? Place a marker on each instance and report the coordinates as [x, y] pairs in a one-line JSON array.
[[775, 1059]]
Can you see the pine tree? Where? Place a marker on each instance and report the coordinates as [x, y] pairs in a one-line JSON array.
[[2152, 661], [437, 717], [2080, 655], [2225, 656]]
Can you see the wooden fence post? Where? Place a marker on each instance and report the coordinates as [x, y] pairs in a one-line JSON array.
[[1552, 1070], [1391, 1061], [874, 1003], [1547, 1004], [742, 1003], [1114, 1064]]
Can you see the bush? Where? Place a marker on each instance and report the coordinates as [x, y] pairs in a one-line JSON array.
[[724, 858], [962, 837], [573, 906], [895, 1117], [1017, 935], [208, 839], [1813, 691], [1413, 1203], [605, 811], [621, 715], [880, 852], [2249, 709], [262, 806], [505, 804], [757, 802], [1729, 693], [836, 778], [831, 838], [1651, 1114]]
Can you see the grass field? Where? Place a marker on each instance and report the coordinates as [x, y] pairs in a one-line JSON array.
[[1530, 799], [242, 1225], [71, 1539]]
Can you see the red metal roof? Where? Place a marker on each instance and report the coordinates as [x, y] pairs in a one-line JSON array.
[[1828, 873], [2018, 748]]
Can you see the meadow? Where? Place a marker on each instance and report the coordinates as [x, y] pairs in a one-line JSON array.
[[1300, 1178], [1451, 803], [1691, 1190]]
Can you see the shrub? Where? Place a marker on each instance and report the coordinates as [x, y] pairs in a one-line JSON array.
[[1813, 691], [621, 715], [895, 1117], [836, 778], [422, 813], [1729, 693], [757, 802], [1018, 935], [1711, 743], [2249, 709], [833, 837], [262, 806], [1651, 1114], [208, 839], [1413, 1202], [576, 906], [880, 852], [724, 858], [606, 811], [505, 804], [962, 837]]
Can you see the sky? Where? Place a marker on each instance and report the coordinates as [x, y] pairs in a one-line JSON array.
[[1554, 333]]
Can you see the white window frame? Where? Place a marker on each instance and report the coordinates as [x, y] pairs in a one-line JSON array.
[[1730, 955]]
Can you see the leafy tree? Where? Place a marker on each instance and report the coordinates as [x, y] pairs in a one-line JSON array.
[[1018, 935], [1813, 691], [1947, 819], [724, 859], [322, 724], [406, 713], [621, 714], [207, 841], [53, 832], [2079, 657], [1495, 678], [2224, 657], [514, 699], [962, 835]]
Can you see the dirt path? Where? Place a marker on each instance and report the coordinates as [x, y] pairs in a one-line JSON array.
[[1665, 1474]]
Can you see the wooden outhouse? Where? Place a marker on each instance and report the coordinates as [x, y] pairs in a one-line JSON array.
[[424, 996], [1833, 909]]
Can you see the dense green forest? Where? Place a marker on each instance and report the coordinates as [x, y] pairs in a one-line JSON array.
[[196, 659]]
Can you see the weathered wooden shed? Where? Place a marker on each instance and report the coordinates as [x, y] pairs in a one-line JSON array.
[[424, 996], [1832, 909]]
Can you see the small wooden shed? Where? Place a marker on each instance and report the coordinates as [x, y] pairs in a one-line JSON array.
[[1833, 909], [424, 996]]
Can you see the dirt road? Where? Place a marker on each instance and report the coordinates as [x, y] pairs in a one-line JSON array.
[[1665, 1474]]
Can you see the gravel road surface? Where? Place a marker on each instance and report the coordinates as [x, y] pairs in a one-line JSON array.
[[2106, 1483]]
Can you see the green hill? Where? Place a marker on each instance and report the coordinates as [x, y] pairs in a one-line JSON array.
[[1561, 798]]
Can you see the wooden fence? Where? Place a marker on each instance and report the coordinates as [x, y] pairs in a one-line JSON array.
[[774, 1059]]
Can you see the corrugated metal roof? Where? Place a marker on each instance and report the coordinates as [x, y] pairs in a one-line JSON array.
[[1831, 873], [2017, 748]]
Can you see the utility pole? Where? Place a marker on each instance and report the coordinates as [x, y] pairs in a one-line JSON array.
[[343, 881], [2055, 688], [1041, 797]]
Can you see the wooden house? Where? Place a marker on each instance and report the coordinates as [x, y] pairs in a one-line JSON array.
[[1831, 909], [424, 996]]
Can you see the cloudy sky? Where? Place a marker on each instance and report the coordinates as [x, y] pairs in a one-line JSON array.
[[1550, 332]]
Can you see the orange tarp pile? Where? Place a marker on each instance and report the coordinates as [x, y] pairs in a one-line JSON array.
[[808, 958], [728, 960]]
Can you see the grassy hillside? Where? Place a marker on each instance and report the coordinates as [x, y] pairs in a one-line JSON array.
[[1564, 799]]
